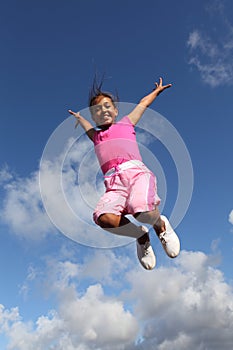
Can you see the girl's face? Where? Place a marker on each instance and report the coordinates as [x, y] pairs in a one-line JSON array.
[[104, 112]]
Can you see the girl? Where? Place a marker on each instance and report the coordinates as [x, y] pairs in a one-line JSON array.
[[130, 185]]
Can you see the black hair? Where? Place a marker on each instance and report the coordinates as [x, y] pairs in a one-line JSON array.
[[96, 91]]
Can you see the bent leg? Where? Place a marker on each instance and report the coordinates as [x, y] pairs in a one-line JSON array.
[[152, 218], [163, 229], [120, 225]]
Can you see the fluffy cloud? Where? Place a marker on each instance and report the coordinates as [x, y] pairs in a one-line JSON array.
[[231, 217], [86, 318], [211, 54], [185, 305], [62, 194], [95, 318], [214, 67], [88, 322], [22, 209], [189, 304], [5, 175]]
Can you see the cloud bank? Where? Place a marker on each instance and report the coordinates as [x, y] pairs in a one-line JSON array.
[[104, 299], [185, 306], [61, 195]]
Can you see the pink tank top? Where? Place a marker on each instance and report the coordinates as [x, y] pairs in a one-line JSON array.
[[116, 145]]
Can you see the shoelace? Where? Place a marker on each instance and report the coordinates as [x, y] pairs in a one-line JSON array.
[[162, 238], [146, 245]]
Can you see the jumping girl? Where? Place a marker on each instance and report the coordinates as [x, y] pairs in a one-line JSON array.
[[130, 186]]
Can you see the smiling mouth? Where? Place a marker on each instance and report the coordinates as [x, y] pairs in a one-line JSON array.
[[106, 117]]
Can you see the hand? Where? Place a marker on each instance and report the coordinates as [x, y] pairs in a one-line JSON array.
[[76, 115], [160, 87]]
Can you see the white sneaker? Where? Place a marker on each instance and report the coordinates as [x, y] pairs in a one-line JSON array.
[[169, 239], [145, 252]]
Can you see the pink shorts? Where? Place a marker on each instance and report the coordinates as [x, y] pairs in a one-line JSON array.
[[130, 188]]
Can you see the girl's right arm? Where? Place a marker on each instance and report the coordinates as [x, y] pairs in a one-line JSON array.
[[146, 101], [86, 125]]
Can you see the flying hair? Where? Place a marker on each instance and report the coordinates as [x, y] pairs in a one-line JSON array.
[[96, 92]]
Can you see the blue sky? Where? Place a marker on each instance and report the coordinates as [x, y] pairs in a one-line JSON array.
[[56, 293]]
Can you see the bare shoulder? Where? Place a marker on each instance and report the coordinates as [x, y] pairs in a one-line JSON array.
[[91, 133], [136, 113]]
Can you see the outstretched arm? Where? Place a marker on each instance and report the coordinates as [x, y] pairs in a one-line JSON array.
[[146, 101], [84, 123]]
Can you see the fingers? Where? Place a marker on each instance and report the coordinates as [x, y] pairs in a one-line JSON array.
[[71, 112], [161, 86], [160, 82], [167, 86], [75, 114]]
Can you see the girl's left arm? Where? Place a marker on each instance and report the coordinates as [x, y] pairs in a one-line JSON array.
[[86, 125], [146, 101]]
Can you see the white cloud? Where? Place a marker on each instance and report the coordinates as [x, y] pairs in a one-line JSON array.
[[84, 319], [24, 288], [5, 175], [198, 41], [214, 73], [70, 187], [194, 39], [185, 305], [96, 318], [231, 217], [26, 335], [107, 267], [210, 52], [88, 322], [22, 209], [144, 138]]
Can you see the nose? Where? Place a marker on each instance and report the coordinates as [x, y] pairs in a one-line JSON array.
[[104, 108]]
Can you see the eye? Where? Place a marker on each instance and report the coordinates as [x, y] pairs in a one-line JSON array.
[[97, 108]]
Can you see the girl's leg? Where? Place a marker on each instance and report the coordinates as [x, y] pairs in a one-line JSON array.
[[120, 225], [152, 218], [162, 227]]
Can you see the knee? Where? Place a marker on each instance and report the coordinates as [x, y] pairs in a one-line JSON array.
[[148, 217], [108, 220]]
